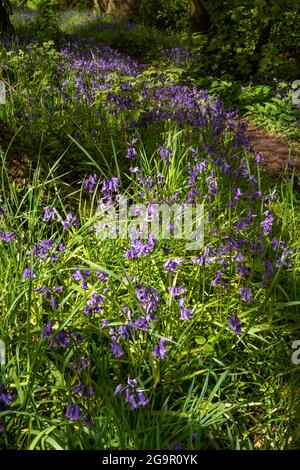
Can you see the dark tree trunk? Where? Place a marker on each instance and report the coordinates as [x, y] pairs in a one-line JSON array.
[[6, 28], [200, 20], [263, 39]]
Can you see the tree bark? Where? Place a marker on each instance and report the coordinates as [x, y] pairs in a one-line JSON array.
[[5, 24], [100, 6], [123, 8], [263, 39], [200, 20]]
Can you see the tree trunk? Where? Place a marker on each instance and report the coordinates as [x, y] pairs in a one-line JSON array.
[[263, 39], [100, 6], [112, 7], [123, 8], [5, 25], [200, 20]]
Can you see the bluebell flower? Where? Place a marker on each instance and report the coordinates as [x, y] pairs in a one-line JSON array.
[[48, 329], [5, 398], [235, 324], [139, 248], [77, 275], [73, 412], [267, 223], [285, 259], [110, 186], [185, 313], [217, 281], [246, 294], [142, 400], [177, 291], [94, 304], [159, 350], [7, 237], [83, 390], [134, 396], [148, 298], [90, 183], [178, 446], [70, 220], [172, 264], [29, 273], [102, 276], [131, 151], [116, 348], [49, 213]]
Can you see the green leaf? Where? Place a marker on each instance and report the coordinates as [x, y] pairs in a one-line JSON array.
[[200, 340]]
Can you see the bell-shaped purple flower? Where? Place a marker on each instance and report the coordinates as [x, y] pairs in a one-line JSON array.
[[235, 324], [73, 412]]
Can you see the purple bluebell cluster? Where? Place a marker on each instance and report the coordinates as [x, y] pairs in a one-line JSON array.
[[7, 237], [81, 276], [160, 350], [83, 390], [178, 446], [47, 330], [180, 56], [90, 183], [102, 276], [91, 64], [165, 154], [94, 304], [29, 273], [172, 264], [139, 248], [185, 313], [246, 294], [131, 150], [148, 298], [49, 294], [59, 339], [43, 248], [109, 187], [50, 213], [267, 223], [134, 396], [70, 221], [92, 73]]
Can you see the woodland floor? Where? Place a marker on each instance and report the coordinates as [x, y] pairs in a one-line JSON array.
[[276, 153]]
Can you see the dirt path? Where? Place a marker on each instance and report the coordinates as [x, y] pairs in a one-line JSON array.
[[18, 161], [276, 153]]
